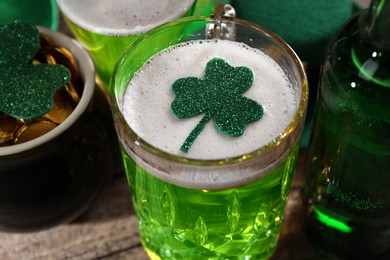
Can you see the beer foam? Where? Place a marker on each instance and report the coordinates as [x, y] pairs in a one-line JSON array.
[[122, 17], [146, 103]]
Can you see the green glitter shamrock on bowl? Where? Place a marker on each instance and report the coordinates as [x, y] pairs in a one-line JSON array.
[[26, 89], [218, 95]]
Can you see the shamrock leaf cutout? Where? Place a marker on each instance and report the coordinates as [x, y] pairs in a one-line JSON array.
[[26, 90], [218, 95]]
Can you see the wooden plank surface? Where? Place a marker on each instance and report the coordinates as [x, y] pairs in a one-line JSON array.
[[107, 229]]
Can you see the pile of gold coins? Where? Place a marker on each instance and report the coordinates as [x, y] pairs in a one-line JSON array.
[[16, 131]]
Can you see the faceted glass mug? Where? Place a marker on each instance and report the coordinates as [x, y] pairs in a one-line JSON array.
[[181, 214], [106, 38]]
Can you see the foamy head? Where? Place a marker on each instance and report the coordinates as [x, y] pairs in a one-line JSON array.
[[146, 103], [122, 17]]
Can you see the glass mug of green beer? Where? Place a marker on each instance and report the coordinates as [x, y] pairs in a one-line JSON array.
[[106, 28], [212, 185]]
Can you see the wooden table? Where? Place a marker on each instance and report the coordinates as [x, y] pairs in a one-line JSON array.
[[108, 230]]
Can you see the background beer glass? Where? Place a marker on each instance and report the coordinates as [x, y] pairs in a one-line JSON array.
[[53, 178], [227, 207], [106, 28]]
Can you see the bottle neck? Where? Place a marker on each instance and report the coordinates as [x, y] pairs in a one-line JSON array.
[[376, 23]]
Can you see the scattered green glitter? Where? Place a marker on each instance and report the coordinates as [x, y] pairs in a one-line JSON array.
[[352, 199], [331, 222], [218, 95], [26, 90]]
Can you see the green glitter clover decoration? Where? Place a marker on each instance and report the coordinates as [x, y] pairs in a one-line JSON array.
[[218, 95], [26, 90]]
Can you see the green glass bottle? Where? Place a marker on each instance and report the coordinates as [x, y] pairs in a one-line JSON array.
[[348, 168]]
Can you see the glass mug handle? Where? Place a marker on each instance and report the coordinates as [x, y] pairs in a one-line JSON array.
[[218, 29]]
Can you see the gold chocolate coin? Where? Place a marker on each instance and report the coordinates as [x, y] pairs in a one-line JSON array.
[[30, 132], [70, 88], [50, 58], [26, 121], [63, 106], [8, 128], [64, 57]]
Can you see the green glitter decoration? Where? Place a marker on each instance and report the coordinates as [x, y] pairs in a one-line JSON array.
[[26, 90], [353, 200], [218, 95]]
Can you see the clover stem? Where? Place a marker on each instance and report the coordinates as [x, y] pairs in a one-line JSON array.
[[195, 132]]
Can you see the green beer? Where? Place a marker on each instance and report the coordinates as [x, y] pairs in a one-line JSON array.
[[349, 157], [220, 201], [181, 223], [106, 28]]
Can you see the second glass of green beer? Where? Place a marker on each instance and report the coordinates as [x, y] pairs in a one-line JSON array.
[[106, 27], [199, 190]]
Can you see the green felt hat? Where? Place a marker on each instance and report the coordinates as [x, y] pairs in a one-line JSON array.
[[306, 25]]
